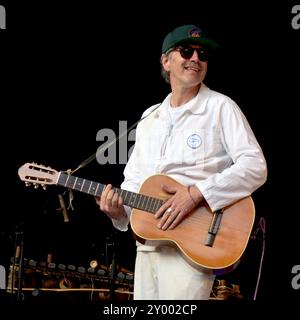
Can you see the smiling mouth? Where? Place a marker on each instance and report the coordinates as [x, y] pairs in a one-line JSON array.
[[195, 69]]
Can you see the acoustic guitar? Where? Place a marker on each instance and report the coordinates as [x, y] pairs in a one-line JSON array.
[[212, 242]]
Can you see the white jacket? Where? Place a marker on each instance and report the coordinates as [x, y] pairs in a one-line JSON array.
[[211, 145]]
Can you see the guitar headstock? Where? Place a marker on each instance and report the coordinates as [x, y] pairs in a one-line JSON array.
[[38, 175]]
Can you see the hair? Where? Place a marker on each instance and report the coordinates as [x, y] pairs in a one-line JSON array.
[[165, 74]]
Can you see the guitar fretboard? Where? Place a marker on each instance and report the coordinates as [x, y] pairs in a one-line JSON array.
[[131, 199]]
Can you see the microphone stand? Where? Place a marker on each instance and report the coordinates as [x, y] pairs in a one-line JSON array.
[[111, 242], [20, 248]]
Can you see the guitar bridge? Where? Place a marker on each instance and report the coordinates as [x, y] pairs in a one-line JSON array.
[[214, 227]]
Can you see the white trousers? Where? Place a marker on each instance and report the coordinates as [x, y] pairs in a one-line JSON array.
[[164, 275]]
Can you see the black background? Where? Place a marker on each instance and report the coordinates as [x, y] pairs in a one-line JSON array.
[[70, 70]]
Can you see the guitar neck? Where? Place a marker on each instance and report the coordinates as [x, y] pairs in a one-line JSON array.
[[131, 199]]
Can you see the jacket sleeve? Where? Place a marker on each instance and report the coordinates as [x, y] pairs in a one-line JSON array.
[[130, 183], [248, 170], [132, 174]]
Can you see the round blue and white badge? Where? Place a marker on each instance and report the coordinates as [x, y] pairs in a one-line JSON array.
[[194, 141]]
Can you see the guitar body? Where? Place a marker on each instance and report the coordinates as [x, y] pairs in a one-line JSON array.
[[191, 234]]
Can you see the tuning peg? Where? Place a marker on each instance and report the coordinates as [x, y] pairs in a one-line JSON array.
[[28, 184], [35, 185], [44, 186]]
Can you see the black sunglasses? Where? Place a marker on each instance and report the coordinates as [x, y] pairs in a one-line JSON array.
[[187, 52]]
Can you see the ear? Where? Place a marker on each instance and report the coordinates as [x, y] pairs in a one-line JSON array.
[[165, 61]]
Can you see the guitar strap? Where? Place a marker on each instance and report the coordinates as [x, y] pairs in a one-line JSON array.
[[106, 146], [102, 149]]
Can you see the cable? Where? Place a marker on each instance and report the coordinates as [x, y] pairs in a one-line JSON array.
[[262, 228]]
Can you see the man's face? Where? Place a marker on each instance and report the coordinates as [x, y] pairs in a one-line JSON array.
[[185, 64]]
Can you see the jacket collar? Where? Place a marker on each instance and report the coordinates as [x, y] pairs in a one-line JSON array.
[[196, 108]]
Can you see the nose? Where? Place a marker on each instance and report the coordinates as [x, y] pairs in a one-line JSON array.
[[195, 56]]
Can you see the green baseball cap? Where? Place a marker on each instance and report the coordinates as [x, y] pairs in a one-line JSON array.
[[187, 34]]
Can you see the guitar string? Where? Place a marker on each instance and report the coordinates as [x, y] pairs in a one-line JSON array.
[[202, 223]]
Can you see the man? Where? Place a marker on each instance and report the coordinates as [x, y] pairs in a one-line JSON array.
[[201, 139]]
